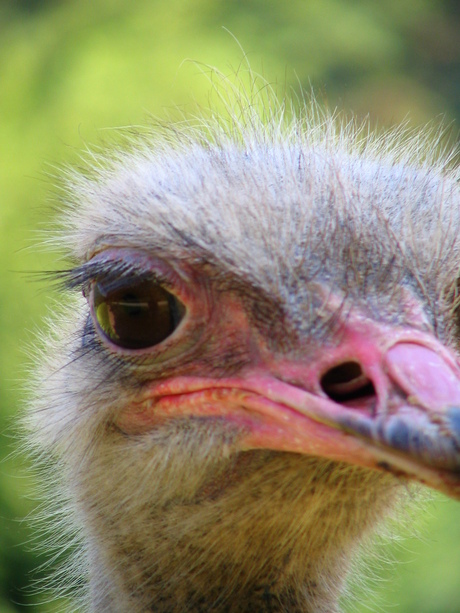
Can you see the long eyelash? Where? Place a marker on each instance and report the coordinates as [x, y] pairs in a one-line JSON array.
[[81, 276], [110, 271]]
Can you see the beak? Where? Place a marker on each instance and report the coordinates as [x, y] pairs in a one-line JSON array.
[[400, 413], [411, 427]]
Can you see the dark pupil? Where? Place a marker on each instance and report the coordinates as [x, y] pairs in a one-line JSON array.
[[138, 315]]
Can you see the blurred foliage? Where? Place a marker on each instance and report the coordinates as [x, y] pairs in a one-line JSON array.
[[69, 70]]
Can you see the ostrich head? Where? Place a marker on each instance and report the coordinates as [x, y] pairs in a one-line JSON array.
[[261, 353]]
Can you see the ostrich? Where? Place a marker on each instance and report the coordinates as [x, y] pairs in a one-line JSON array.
[[260, 357]]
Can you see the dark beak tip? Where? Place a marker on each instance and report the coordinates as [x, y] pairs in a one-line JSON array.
[[453, 417]]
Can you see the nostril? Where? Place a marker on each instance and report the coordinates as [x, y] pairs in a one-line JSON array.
[[347, 382]]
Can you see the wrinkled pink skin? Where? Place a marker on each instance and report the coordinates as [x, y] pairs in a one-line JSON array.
[[409, 426]]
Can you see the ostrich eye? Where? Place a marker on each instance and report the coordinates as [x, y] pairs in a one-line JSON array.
[[137, 314]]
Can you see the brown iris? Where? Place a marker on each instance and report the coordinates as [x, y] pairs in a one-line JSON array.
[[136, 314]]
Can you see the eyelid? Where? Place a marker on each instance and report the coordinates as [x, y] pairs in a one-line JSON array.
[[115, 265]]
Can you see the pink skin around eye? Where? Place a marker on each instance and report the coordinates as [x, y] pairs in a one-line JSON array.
[[144, 266]]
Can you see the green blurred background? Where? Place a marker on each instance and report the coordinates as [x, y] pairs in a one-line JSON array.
[[70, 70]]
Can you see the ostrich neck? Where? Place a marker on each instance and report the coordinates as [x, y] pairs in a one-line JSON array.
[[255, 531]]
